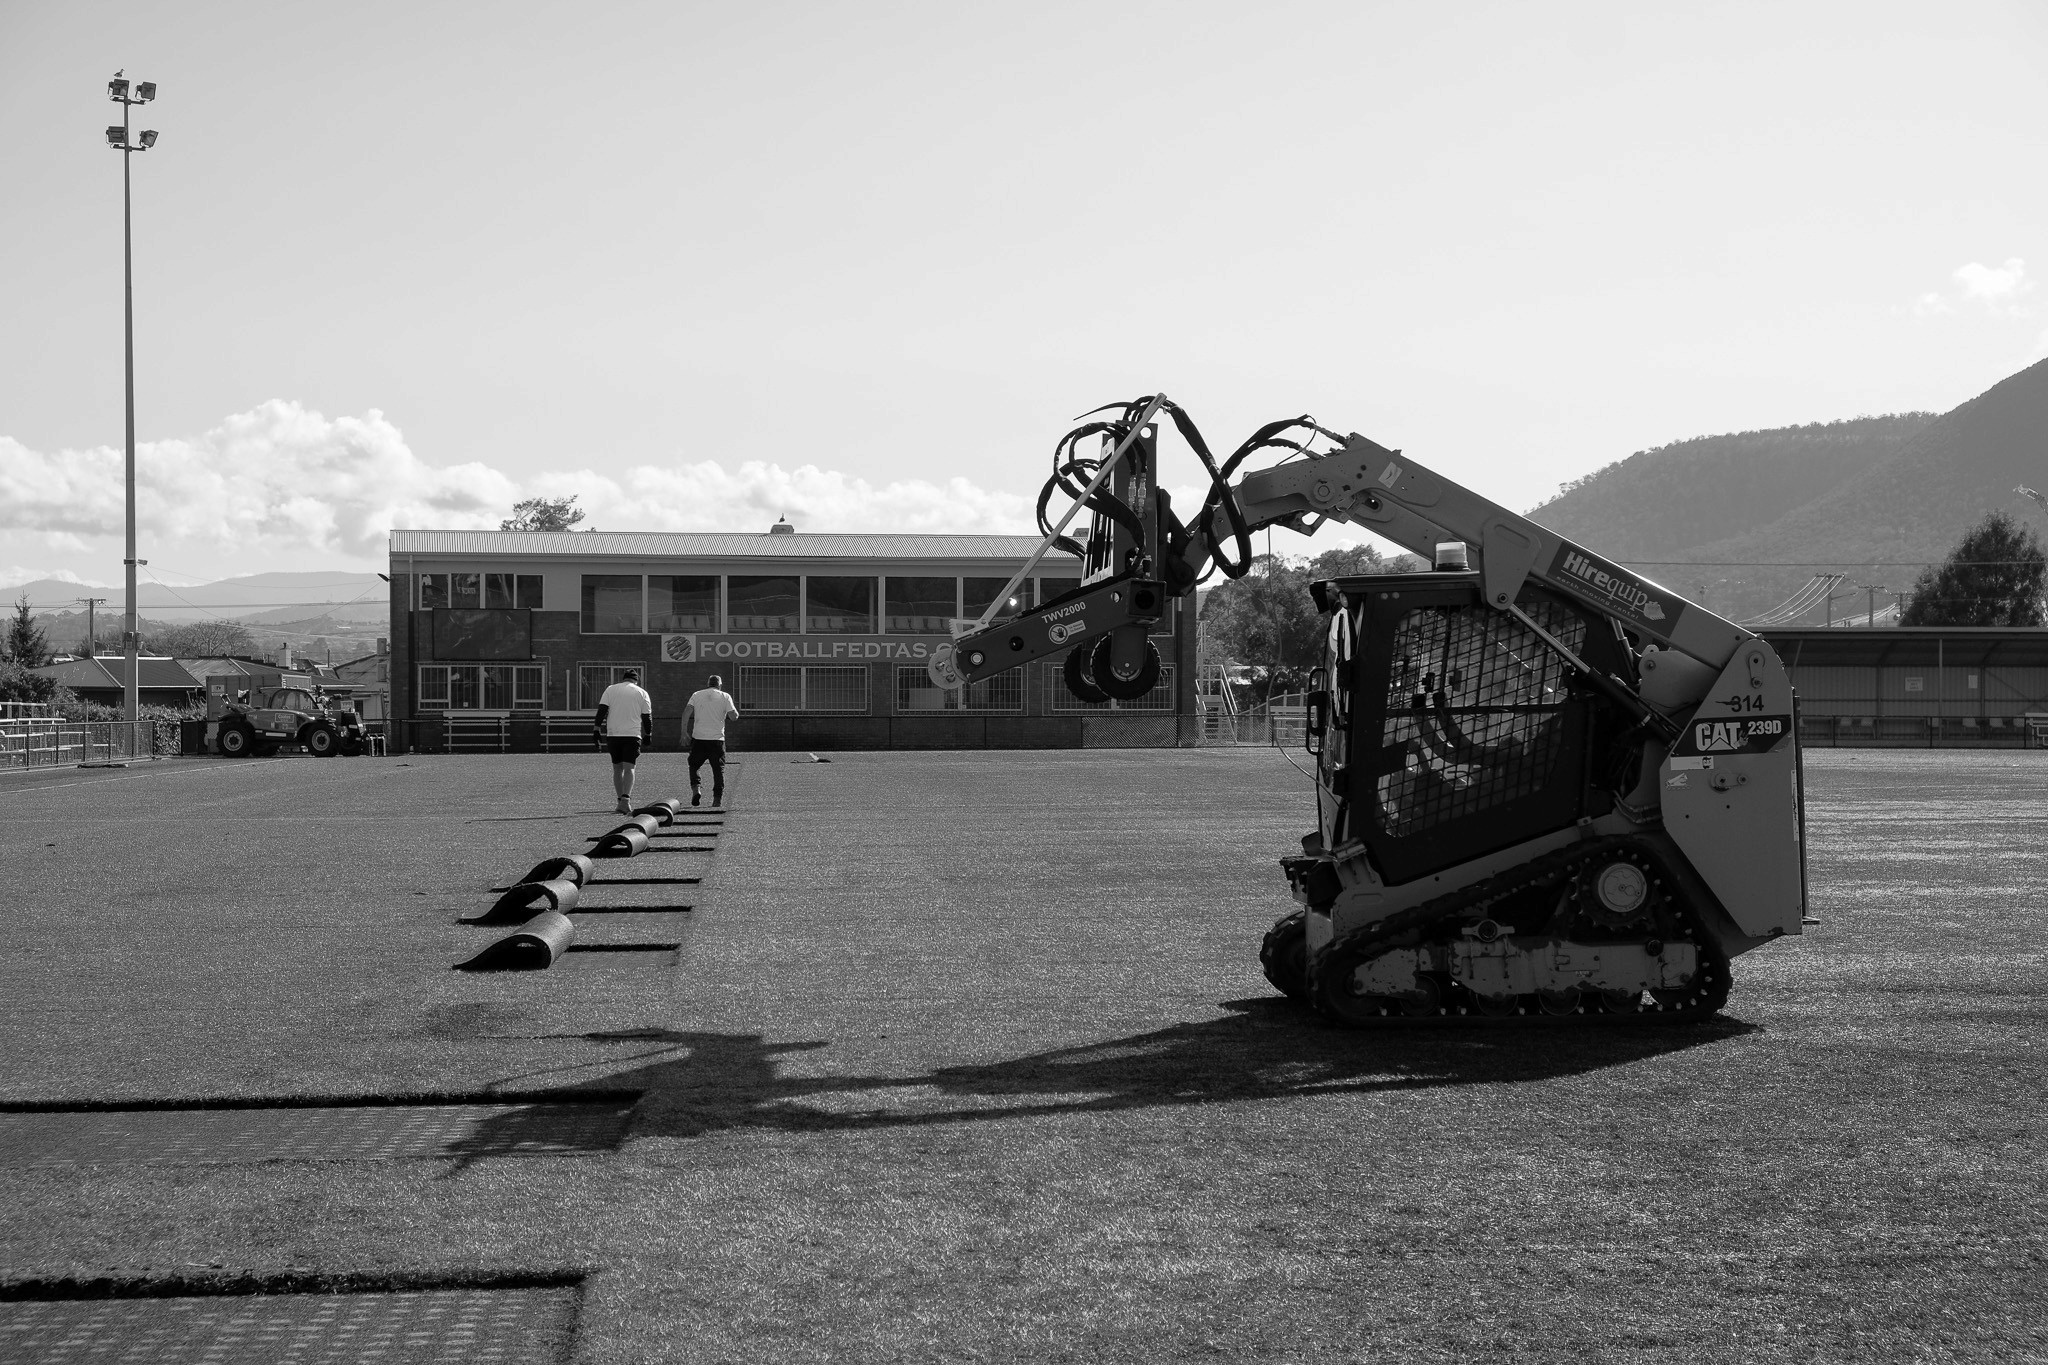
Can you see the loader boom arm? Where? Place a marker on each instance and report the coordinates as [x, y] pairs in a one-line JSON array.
[[1369, 485], [1132, 570]]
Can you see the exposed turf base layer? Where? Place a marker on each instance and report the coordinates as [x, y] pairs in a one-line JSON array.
[[532, 1326]]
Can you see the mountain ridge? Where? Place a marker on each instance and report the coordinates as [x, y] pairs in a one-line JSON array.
[[1875, 498]]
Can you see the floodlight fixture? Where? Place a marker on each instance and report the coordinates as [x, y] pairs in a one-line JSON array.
[[117, 89], [117, 138], [148, 138], [146, 91]]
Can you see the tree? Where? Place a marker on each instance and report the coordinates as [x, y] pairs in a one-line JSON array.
[[543, 514], [18, 684], [203, 640], [27, 645], [1268, 619], [1993, 577]]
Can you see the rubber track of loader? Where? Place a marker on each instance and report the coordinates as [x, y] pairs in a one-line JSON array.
[[1710, 994]]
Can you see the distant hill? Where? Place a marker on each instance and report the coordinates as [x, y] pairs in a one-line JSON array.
[[252, 596], [1756, 514], [1658, 503]]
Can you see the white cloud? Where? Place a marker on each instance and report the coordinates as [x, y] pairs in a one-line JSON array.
[[2000, 289], [1997, 287], [285, 479]]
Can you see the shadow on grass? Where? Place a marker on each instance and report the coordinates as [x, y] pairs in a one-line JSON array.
[[698, 1083]]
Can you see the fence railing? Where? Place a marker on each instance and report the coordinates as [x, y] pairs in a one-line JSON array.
[[1282, 722], [1930, 732], [48, 742]]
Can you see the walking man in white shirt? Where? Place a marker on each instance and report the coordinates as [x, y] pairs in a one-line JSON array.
[[625, 721], [704, 718]]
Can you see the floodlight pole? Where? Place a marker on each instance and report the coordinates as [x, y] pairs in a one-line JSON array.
[[132, 692], [119, 90]]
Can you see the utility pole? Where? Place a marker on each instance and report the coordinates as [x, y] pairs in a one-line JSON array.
[[92, 630], [117, 138]]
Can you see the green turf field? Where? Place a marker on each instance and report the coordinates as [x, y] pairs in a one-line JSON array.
[[967, 1056]]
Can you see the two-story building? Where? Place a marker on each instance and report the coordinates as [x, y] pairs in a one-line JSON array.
[[506, 639]]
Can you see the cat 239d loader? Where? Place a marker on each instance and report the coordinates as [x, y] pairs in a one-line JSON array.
[[1546, 787]]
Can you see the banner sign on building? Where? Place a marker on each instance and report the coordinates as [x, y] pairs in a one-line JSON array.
[[798, 649]]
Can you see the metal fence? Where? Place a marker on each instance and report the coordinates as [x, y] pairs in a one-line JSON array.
[[1281, 722], [1924, 732], [50, 742]]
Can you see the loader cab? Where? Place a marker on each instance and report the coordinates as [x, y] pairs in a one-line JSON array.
[[1448, 729]]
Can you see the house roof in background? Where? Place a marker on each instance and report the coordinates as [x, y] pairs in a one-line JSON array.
[[111, 671], [720, 545]]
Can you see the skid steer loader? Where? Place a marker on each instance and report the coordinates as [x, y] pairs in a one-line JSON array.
[[1547, 788]]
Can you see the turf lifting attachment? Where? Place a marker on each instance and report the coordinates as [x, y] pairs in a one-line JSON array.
[[539, 942], [573, 867], [518, 903]]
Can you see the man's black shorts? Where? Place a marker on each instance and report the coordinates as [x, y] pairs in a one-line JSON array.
[[624, 750]]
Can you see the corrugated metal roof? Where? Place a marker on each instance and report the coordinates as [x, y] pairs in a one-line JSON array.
[[717, 545], [109, 670], [77, 673]]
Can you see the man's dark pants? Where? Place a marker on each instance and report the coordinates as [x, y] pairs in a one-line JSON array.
[[710, 751]]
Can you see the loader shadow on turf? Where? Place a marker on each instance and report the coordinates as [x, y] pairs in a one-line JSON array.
[[698, 1083]]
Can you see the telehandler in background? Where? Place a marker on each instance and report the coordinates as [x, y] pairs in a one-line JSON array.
[[1545, 786], [256, 714]]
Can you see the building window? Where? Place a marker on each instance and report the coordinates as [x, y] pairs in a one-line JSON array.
[[764, 605], [783, 688], [1160, 698], [676, 604], [611, 604], [977, 593], [503, 590], [839, 606], [433, 688], [465, 590], [486, 687], [915, 693], [770, 689], [919, 606], [593, 679], [433, 591]]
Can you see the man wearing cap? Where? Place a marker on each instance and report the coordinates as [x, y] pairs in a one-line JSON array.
[[704, 718], [625, 722]]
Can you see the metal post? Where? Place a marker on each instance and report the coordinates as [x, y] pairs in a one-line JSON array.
[[132, 688], [92, 629]]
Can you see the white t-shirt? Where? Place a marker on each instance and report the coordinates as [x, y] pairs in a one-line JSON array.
[[713, 709], [628, 702]]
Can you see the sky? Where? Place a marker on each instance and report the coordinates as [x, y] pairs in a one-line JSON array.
[[705, 265]]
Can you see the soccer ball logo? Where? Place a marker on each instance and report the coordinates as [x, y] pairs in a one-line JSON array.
[[678, 649]]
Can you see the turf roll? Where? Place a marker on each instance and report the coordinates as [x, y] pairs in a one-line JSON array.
[[624, 842], [572, 867], [539, 942], [663, 811], [519, 902]]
